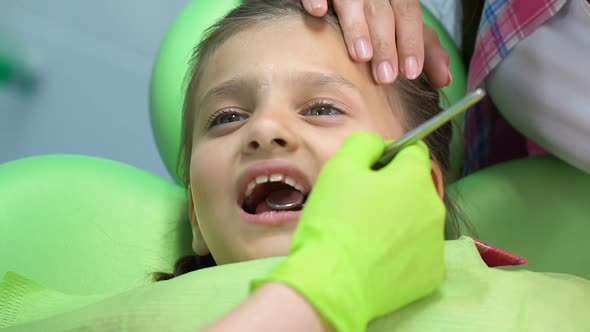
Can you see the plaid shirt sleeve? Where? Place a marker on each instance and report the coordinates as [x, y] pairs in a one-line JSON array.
[[504, 23]]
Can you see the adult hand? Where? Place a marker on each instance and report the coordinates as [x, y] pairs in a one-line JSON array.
[[392, 35], [368, 241]]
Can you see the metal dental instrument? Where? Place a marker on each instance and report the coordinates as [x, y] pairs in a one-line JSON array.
[[285, 206], [409, 138], [428, 127]]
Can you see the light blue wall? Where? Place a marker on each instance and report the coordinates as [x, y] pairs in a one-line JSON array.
[[92, 60]]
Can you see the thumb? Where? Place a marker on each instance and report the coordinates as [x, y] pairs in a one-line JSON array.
[[360, 148]]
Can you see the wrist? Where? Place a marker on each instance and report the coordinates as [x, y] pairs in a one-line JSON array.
[[297, 305], [326, 279], [272, 307]]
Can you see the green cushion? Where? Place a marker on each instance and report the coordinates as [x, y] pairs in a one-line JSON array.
[[168, 76], [85, 225], [538, 208]]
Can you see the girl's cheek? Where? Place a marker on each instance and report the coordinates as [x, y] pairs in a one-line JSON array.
[[199, 168], [208, 165], [330, 144]]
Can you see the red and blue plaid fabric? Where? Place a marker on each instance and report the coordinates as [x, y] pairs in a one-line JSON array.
[[489, 139]]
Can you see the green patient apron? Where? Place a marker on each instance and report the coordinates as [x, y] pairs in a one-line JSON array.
[[473, 297]]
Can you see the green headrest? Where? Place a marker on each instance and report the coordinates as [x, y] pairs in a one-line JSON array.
[[168, 76], [85, 225]]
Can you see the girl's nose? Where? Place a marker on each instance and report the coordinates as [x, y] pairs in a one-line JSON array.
[[278, 142], [271, 132]]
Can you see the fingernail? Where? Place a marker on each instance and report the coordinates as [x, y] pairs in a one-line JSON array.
[[317, 4], [411, 67], [450, 78], [361, 48], [385, 72]]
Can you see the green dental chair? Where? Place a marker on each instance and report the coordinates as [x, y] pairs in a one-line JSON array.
[[83, 225]]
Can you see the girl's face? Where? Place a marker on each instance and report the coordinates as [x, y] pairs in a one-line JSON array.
[[276, 101]]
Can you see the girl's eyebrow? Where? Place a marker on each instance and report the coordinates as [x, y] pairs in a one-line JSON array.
[[318, 79], [230, 87], [235, 85]]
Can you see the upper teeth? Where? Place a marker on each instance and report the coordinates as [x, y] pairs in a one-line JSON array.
[[276, 177]]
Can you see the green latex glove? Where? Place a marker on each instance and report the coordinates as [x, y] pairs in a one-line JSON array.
[[368, 242]]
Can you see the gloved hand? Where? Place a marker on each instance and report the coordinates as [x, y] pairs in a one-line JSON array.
[[368, 242]]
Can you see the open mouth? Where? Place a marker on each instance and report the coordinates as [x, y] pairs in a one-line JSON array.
[[273, 194]]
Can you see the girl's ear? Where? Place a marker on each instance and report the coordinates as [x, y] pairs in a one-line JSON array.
[[437, 178], [199, 246]]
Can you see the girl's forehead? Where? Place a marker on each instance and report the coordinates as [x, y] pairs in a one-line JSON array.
[[287, 33], [281, 48]]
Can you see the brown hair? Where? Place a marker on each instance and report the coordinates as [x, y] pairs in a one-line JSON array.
[[418, 99]]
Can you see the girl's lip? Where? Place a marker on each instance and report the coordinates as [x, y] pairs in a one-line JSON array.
[[270, 218]]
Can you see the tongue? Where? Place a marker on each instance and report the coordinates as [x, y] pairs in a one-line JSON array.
[[280, 197]]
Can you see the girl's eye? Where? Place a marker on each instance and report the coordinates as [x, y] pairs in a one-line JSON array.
[[226, 116], [322, 109]]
